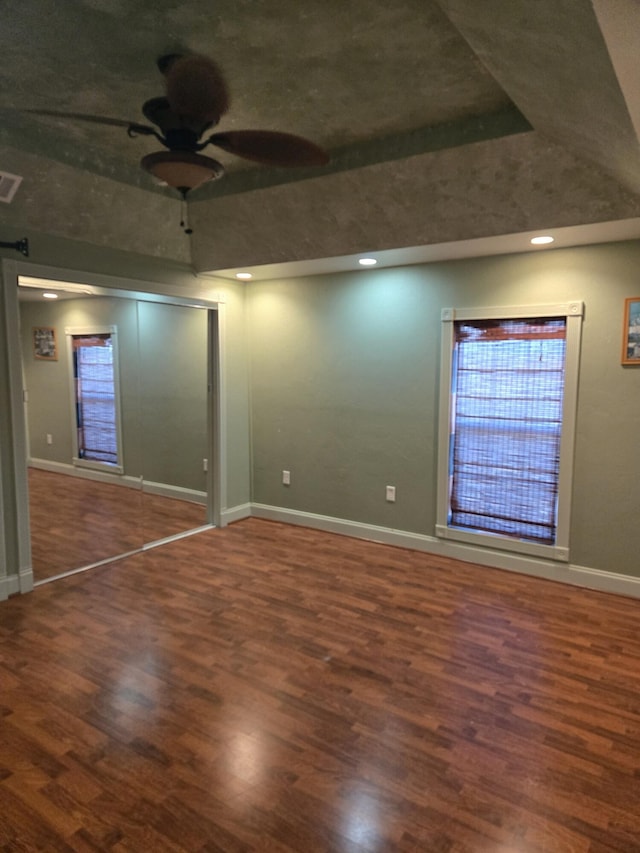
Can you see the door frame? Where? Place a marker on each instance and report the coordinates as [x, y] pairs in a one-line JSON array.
[[141, 290]]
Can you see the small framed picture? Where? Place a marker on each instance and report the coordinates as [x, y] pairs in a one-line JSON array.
[[45, 346], [631, 331]]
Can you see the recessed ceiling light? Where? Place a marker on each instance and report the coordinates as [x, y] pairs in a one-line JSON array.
[[244, 276], [367, 262], [48, 295], [540, 241]]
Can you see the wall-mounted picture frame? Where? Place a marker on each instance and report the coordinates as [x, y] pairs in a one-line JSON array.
[[45, 346], [631, 331]]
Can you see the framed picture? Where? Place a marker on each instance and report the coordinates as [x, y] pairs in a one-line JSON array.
[[44, 343], [631, 331]]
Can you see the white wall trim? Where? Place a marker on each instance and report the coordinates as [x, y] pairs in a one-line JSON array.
[[503, 543], [236, 513], [177, 492], [604, 581], [546, 569], [217, 415], [25, 580], [13, 584], [573, 312], [18, 420], [9, 585]]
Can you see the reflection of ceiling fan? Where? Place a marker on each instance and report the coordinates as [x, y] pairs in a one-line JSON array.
[[197, 97]]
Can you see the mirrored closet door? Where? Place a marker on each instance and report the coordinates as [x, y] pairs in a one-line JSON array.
[[117, 424]]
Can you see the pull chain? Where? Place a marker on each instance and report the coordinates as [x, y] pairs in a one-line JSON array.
[[184, 214]]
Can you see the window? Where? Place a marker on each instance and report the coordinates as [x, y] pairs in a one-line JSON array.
[[96, 405], [507, 411]]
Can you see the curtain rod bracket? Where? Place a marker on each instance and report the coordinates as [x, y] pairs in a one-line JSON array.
[[19, 246]]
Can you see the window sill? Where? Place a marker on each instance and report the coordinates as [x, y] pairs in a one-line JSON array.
[[556, 553], [98, 466]]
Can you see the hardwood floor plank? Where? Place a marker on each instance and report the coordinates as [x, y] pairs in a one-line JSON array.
[[271, 688]]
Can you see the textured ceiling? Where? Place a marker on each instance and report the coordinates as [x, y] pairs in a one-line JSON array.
[[339, 73], [464, 104]]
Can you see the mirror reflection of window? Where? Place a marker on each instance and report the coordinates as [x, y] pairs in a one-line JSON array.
[[96, 404]]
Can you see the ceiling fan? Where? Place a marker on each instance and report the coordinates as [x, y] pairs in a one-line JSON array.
[[196, 99]]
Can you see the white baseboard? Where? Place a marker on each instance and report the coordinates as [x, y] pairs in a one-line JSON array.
[[13, 584], [235, 513], [604, 581], [563, 572], [163, 489], [25, 580], [176, 492], [8, 586], [550, 570]]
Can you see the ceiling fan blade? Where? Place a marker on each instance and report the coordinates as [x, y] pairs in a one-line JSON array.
[[271, 148], [114, 122], [196, 88]]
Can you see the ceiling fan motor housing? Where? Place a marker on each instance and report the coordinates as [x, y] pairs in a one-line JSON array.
[[181, 133]]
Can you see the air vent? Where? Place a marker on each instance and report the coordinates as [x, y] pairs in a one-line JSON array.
[[8, 186]]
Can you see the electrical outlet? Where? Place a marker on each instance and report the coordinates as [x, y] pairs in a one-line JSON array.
[[286, 478], [205, 465], [391, 494], [49, 438]]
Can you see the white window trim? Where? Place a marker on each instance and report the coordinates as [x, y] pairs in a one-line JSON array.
[[92, 464], [573, 311]]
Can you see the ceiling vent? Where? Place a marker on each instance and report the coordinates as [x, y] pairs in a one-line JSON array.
[[8, 186]]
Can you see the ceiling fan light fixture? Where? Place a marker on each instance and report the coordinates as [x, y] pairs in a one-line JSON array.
[[182, 170]]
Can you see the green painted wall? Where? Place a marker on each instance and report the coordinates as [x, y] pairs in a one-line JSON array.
[[343, 395], [344, 389]]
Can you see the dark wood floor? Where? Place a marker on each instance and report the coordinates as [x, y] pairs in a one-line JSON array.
[[76, 522], [271, 688]]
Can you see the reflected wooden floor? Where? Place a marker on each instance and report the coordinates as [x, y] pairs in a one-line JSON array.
[[76, 522], [271, 688]]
